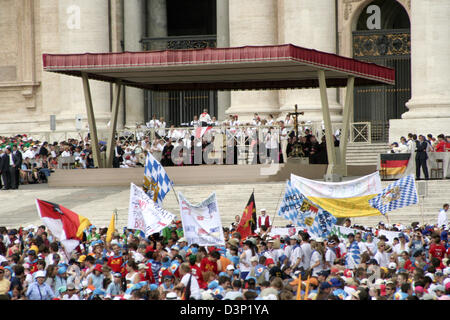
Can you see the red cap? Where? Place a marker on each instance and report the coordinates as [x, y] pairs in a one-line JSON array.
[[98, 267], [269, 261]]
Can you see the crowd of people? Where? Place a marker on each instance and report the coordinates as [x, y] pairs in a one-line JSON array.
[[420, 146], [266, 140], [24, 160], [363, 265], [433, 144]]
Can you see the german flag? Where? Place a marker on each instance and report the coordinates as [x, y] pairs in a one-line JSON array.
[[394, 163], [247, 224]]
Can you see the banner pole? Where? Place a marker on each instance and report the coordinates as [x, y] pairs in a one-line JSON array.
[[276, 210], [176, 194]]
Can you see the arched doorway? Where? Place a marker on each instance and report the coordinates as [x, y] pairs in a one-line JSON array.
[[382, 36]]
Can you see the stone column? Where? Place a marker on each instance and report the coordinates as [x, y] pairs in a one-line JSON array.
[[253, 24], [429, 106], [157, 23], [133, 33], [116, 46], [157, 28], [223, 41], [81, 26], [309, 24]]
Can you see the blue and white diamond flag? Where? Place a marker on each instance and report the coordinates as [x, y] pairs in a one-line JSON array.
[[156, 181], [401, 193], [297, 208]]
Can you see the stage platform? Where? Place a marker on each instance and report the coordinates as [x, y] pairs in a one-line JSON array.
[[197, 175]]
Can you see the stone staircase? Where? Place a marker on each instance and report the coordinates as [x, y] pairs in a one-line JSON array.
[[359, 154]]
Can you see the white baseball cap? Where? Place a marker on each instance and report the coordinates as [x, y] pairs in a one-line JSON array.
[[230, 267], [40, 274]]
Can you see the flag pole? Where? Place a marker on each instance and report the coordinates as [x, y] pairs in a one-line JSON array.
[[176, 194], [299, 287], [307, 288], [278, 204]]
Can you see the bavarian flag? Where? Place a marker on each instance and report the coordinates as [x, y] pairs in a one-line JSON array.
[[342, 199], [65, 225], [247, 224], [398, 194], [394, 163]]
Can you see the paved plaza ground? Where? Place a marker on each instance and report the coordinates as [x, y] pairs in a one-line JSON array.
[[18, 207]]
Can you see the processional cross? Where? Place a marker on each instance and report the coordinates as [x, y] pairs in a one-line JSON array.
[[295, 114], [297, 150]]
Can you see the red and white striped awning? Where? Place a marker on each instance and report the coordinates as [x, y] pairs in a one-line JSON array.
[[242, 68]]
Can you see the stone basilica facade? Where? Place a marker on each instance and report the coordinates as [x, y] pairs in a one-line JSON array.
[[411, 36]]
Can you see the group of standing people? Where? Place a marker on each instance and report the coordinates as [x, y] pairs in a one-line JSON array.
[[421, 145], [10, 166]]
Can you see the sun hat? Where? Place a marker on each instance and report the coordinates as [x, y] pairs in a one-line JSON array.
[[40, 274], [392, 266], [171, 296]]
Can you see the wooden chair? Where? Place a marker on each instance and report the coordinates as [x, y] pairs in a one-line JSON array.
[[438, 172]]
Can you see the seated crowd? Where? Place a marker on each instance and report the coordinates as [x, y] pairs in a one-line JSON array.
[[363, 265]]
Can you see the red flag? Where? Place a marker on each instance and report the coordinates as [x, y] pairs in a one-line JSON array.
[[200, 131], [247, 224], [64, 224]]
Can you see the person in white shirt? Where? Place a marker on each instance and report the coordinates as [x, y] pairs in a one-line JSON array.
[[288, 121], [214, 122], [361, 245], [411, 144], [442, 217], [204, 118], [317, 257], [195, 123], [161, 126], [306, 248], [152, 123], [271, 252], [381, 256], [297, 254], [371, 245], [270, 120], [186, 278], [245, 257], [284, 137], [256, 121], [330, 255], [66, 152], [401, 246], [396, 148], [30, 153], [263, 219], [157, 148]]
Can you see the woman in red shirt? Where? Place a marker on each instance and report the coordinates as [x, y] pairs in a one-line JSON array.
[[440, 147]]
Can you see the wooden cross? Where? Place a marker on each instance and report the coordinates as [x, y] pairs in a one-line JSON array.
[[295, 114]]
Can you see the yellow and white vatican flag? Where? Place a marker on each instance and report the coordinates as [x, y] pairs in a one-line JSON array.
[[342, 199]]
